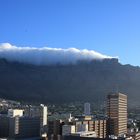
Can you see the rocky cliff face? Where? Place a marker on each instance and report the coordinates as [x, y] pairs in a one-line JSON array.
[[85, 81]]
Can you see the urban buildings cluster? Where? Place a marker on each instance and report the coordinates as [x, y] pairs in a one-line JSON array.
[[33, 122], [30, 122]]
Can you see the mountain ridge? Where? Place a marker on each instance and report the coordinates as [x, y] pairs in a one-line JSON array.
[[84, 81]]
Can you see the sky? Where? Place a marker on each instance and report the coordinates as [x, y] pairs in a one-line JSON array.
[[110, 27]]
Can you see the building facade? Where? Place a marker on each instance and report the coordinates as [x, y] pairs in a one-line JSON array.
[[87, 109], [99, 126], [4, 126], [24, 127], [117, 114], [41, 112]]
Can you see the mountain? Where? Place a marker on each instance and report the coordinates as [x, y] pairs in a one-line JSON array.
[[84, 81]]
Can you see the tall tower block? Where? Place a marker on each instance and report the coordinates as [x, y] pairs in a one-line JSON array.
[[117, 114], [87, 109]]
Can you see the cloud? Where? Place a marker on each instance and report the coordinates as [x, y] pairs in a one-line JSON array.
[[48, 56]]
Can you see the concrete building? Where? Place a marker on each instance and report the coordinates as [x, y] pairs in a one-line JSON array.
[[117, 113], [135, 135], [85, 134], [81, 127], [82, 136], [19, 127], [68, 129], [55, 129], [15, 112], [83, 117], [99, 126], [43, 120], [87, 109], [4, 126], [24, 127], [41, 112]]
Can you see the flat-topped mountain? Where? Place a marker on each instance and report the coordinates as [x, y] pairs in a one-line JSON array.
[[84, 81]]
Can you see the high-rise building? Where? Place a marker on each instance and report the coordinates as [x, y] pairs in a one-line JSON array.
[[24, 127], [4, 126], [117, 114], [43, 117], [39, 111], [87, 109], [19, 127]]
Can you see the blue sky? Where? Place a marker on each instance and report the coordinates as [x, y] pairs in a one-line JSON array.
[[111, 27]]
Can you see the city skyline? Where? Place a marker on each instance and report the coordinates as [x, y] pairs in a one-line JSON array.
[[108, 27], [69, 69]]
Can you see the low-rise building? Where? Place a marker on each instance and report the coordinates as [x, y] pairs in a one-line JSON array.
[[68, 129]]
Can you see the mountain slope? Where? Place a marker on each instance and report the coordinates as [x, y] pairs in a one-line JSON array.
[[85, 81]]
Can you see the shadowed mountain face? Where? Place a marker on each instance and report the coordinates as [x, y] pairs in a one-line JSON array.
[[85, 81]]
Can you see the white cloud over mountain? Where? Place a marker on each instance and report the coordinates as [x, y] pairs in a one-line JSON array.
[[48, 56]]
